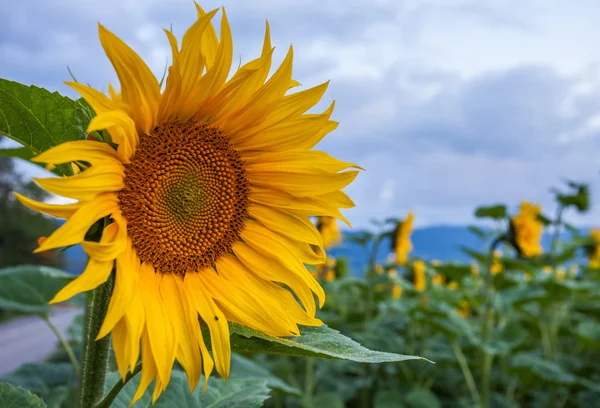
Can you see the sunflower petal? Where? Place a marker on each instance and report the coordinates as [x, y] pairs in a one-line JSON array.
[[95, 274], [139, 87], [122, 130], [214, 319], [86, 150], [56, 210], [73, 231], [287, 224], [99, 102], [149, 368]]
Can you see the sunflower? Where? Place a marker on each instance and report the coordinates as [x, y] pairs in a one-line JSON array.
[[401, 244], [419, 278], [527, 230], [204, 188], [593, 251], [330, 232]]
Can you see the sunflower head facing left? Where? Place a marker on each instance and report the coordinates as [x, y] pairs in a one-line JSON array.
[[205, 187]]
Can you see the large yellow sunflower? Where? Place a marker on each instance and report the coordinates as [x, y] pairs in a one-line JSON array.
[[528, 230], [206, 187]]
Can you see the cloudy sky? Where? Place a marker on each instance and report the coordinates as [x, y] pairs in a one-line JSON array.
[[447, 104]]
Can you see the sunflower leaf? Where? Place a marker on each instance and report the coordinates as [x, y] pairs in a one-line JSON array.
[[39, 119], [244, 393], [17, 397], [29, 288], [320, 342]]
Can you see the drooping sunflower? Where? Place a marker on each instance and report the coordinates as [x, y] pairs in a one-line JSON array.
[[401, 244], [205, 186], [593, 251], [330, 231], [527, 230]]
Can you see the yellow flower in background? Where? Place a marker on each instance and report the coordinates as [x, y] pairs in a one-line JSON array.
[[528, 229], [497, 266], [378, 270], [465, 309], [330, 231], [561, 273], [419, 275], [594, 254], [379, 287], [452, 285], [392, 272], [401, 243], [209, 175], [396, 291], [474, 268], [547, 270], [438, 279], [330, 275]]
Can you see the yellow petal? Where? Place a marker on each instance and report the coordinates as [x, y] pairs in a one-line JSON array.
[[149, 368], [73, 231], [99, 102], [254, 111], [139, 87], [302, 184], [299, 228], [86, 150], [60, 211], [245, 307], [209, 42], [274, 296], [135, 317], [119, 343], [296, 161], [303, 206], [274, 270], [158, 325], [174, 297], [87, 184], [267, 243], [108, 249], [126, 282], [95, 274], [122, 130], [214, 319]]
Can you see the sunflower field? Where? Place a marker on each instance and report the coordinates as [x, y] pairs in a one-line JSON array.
[[209, 221]]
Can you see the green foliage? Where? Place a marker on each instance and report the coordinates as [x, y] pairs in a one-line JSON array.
[[17, 397], [242, 392], [39, 119], [321, 342], [29, 288], [496, 212]]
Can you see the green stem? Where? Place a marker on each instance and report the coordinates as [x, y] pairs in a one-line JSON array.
[[95, 352], [370, 278], [464, 366], [64, 343], [309, 381], [112, 394], [487, 324], [557, 228]]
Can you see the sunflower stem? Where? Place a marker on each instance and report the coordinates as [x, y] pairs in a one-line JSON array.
[[95, 352], [65, 344]]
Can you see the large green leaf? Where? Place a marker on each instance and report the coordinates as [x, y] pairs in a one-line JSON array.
[[321, 342], [28, 288], [40, 119], [41, 377], [243, 368], [233, 393], [17, 397]]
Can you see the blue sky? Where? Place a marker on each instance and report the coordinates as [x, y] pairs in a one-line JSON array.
[[446, 104]]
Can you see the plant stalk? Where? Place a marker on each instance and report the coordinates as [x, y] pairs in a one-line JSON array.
[[95, 352], [65, 344], [112, 394]]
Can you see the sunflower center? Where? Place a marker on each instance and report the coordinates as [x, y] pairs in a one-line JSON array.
[[185, 197]]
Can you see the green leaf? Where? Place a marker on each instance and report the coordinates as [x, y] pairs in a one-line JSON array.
[[321, 342], [40, 119], [244, 369], [496, 212], [233, 393], [326, 399], [41, 377], [24, 153], [17, 397], [29, 288], [531, 366]]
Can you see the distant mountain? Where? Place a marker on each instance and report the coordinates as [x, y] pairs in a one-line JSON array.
[[436, 242]]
